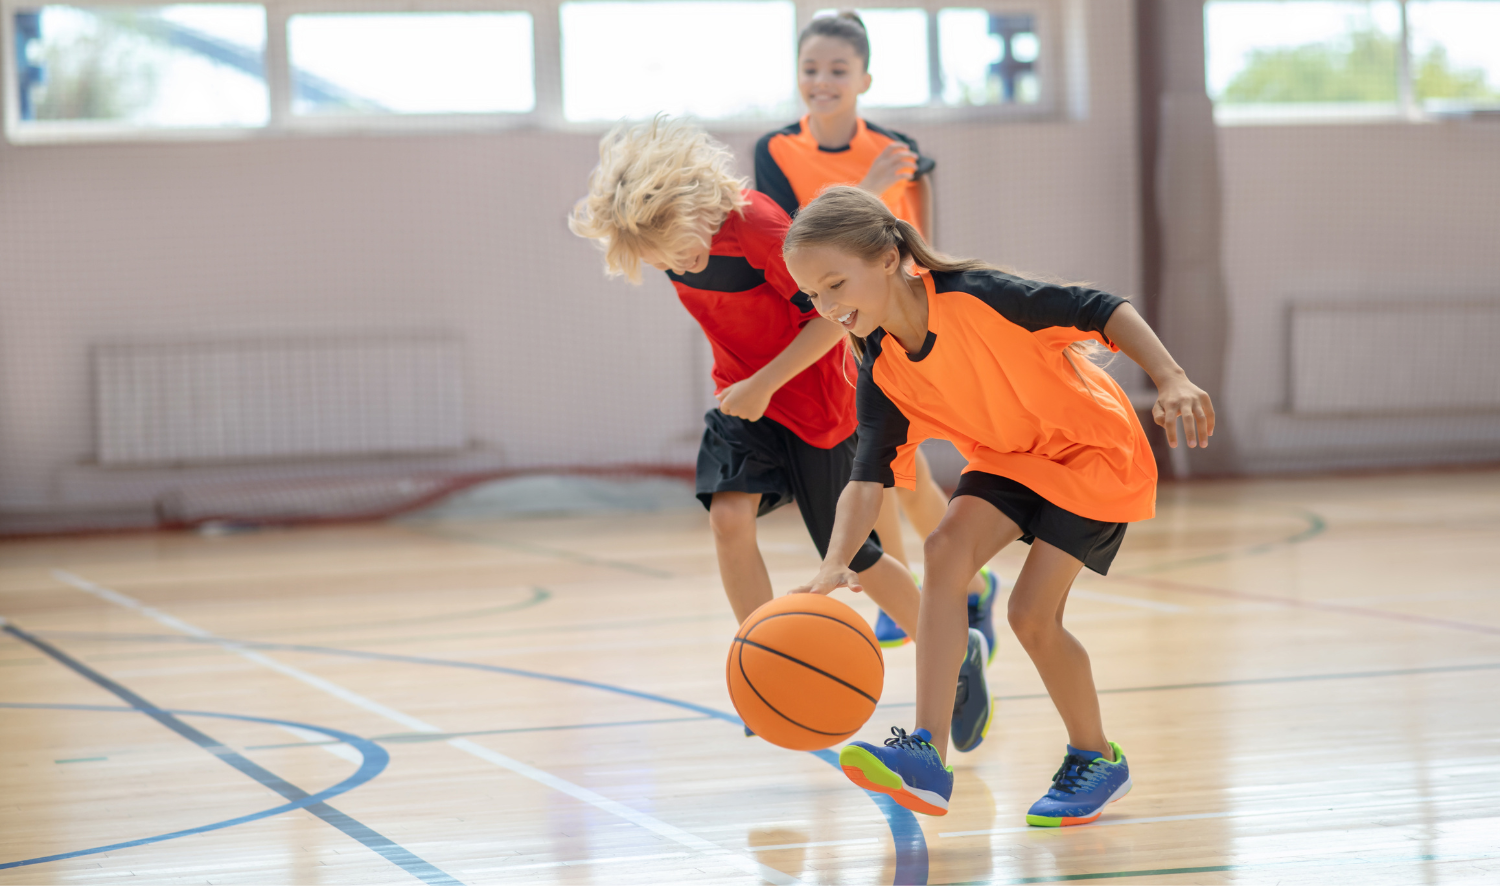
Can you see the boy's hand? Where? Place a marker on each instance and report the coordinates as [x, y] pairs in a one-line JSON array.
[[830, 579], [1178, 397], [895, 163], [747, 399]]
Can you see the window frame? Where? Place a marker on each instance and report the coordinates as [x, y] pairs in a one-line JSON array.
[[1407, 108], [546, 113]]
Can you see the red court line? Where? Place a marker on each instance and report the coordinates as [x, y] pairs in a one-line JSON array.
[[1312, 605]]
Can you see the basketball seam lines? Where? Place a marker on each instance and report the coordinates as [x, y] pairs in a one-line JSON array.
[[740, 653], [843, 682]]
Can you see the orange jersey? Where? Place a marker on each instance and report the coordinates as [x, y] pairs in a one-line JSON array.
[[792, 168], [996, 378]]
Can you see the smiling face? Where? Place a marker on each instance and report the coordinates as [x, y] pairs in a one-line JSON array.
[[853, 293], [830, 76]]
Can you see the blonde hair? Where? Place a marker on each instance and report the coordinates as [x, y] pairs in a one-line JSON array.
[[661, 186], [853, 221]]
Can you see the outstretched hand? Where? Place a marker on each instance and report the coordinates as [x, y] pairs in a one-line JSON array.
[[829, 580], [1180, 398]]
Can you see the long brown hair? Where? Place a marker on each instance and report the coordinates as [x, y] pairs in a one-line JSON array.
[[853, 221]]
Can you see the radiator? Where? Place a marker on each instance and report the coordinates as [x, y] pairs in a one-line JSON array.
[[1394, 358], [250, 400]]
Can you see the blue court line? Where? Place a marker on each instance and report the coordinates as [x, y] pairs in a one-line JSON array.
[[299, 799], [906, 832], [373, 763]]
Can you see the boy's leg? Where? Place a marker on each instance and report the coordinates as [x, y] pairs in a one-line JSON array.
[[743, 570], [925, 507], [888, 527], [971, 533], [1036, 616]]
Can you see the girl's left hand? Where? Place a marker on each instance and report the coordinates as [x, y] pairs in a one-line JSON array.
[[1178, 397], [746, 399]]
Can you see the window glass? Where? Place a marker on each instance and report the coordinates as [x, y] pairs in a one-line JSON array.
[[706, 58], [196, 65], [411, 63], [1455, 51], [1311, 51], [988, 58], [898, 56]]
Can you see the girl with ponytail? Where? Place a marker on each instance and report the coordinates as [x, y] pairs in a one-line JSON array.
[[833, 145], [965, 351]]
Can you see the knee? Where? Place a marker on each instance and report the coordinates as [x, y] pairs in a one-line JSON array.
[[943, 549], [1032, 627], [732, 517]]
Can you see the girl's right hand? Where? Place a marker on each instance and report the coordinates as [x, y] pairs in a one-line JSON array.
[[830, 579], [895, 163]]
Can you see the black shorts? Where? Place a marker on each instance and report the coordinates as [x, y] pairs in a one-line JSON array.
[[1090, 541], [765, 458]]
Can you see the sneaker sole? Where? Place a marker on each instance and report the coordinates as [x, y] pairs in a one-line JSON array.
[[865, 770], [893, 644], [1065, 821]]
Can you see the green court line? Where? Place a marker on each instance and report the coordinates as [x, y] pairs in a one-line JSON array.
[[1146, 873], [1316, 525], [538, 550], [408, 737], [80, 759]]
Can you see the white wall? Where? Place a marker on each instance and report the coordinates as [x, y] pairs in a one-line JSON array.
[[466, 233], [1366, 212]]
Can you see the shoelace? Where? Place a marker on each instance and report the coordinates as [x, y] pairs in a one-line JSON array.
[[902, 740], [1073, 774]]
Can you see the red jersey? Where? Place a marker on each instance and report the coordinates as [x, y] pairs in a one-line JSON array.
[[751, 309]]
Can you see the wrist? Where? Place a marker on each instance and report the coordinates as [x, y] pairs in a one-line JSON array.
[[1165, 376]]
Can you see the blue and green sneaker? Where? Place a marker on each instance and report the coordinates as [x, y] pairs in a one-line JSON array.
[[908, 768], [1082, 787], [890, 635], [973, 708]]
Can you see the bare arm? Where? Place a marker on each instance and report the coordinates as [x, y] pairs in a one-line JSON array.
[[859, 507], [924, 198], [748, 398], [1176, 394]]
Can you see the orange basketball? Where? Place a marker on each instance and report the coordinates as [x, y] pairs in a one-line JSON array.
[[805, 671]]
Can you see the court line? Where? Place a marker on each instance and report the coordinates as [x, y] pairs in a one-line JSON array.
[[1198, 817], [630, 814], [537, 596], [1255, 681], [1316, 526], [539, 550], [906, 831], [570, 863], [1240, 866], [375, 762], [1312, 605], [400, 738], [803, 846]]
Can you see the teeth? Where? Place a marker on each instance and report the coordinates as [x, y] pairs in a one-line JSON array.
[[845, 319]]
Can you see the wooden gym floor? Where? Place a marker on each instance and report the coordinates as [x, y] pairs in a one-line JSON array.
[[1303, 673]]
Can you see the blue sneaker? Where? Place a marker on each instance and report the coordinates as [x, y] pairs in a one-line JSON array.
[[972, 707], [981, 611], [888, 633], [1081, 789], [908, 768]]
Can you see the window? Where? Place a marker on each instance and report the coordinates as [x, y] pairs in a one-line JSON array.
[[898, 57], [1326, 58], [1455, 53], [989, 58], [411, 63], [706, 58], [156, 67]]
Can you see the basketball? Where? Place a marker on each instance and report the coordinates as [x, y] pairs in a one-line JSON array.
[[805, 671]]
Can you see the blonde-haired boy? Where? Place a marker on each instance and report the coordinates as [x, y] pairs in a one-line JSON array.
[[664, 194]]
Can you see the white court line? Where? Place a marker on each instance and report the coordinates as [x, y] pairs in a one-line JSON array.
[[858, 840], [1117, 599], [1193, 817], [650, 823]]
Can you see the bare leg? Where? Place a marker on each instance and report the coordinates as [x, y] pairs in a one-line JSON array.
[[746, 581], [970, 534], [891, 586], [924, 509], [888, 527], [1036, 615]]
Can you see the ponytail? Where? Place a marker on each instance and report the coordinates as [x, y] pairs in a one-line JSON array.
[[853, 221]]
